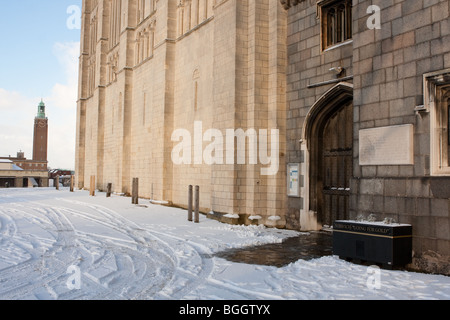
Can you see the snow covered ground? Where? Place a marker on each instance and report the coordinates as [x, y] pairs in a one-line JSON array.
[[69, 246]]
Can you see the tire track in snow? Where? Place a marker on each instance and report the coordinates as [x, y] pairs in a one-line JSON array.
[[188, 272], [147, 263], [149, 255], [43, 266], [179, 291], [10, 234], [82, 244], [137, 282]]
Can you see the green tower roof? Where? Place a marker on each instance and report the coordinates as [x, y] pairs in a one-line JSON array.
[[41, 110]]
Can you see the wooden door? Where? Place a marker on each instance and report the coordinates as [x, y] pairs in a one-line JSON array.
[[336, 166]]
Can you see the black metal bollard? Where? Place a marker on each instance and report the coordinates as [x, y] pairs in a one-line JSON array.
[[108, 190], [190, 198], [197, 204]]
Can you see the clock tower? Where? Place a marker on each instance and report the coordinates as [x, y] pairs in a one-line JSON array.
[[40, 134]]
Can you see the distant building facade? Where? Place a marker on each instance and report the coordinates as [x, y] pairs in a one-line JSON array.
[[13, 176], [21, 172], [368, 117]]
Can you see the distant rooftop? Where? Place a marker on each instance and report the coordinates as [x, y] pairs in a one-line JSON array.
[[17, 168]]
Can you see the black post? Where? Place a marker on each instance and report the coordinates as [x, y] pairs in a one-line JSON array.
[[197, 204], [108, 190], [72, 183], [135, 191], [92, 190], [190, 197]]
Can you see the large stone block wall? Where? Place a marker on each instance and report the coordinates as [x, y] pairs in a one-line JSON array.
[[387, 66], [221, 63]]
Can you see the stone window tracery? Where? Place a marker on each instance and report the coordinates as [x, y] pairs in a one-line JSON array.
[[145, 42], [144, 9], [191, 13], [115, 22]]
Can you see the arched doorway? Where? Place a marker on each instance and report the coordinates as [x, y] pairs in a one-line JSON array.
[[329, 136]]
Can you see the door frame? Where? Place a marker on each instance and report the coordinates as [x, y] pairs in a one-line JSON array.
[[319, 113]]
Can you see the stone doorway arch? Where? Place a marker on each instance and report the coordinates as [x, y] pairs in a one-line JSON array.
[[328, 146]]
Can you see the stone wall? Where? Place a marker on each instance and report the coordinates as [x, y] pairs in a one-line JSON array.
[[388, 67], [308, 66], [218, 63]]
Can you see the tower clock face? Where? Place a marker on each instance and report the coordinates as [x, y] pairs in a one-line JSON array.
[[41, 124]]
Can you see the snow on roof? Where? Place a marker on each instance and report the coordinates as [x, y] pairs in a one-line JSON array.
[[5, 161]]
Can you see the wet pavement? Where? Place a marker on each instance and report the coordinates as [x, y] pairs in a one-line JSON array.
[[306, 247]]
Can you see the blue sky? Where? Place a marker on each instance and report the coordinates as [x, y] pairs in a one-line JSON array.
[[39, 59]]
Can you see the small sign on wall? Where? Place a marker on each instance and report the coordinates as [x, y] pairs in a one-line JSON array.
[[293, 180]]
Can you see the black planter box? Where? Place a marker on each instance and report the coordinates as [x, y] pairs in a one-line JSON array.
[[379, 243]]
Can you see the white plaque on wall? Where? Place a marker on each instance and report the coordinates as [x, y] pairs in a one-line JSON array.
[[293, 180], [393, 145]]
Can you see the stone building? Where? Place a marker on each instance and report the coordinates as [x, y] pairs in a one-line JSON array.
[[22, 172], [354, 93], [150, 69], [13, 176], [368, 121]]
